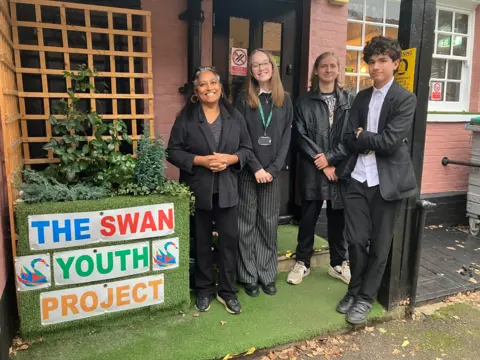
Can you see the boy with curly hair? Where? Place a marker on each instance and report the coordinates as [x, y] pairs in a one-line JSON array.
[[381, 175]]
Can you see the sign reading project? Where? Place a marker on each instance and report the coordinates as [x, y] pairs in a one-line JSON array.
[[56, 231]]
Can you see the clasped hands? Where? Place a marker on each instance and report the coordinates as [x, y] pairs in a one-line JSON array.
[[216, 162], [321, 163], [263, 176]]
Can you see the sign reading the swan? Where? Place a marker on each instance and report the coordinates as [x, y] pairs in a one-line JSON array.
[[165, 254], [405, 75], [55, 231], [33, 272], [92, 300], [103, 263]]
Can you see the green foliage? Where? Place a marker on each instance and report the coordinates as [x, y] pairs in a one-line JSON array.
[[96, 161], [150, 169], [39, 188]]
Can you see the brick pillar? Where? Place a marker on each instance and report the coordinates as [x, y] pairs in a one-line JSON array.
[[328, 31]]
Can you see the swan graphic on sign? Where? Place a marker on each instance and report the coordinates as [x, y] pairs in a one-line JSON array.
[[33, 272], [166, 254]]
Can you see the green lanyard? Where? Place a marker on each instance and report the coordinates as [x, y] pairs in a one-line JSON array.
[[265, 125]]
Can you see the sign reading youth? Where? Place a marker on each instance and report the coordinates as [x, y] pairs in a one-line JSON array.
[[55, 231]]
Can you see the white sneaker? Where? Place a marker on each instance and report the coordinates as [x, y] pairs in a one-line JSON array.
[[341, 272], [298, 272]]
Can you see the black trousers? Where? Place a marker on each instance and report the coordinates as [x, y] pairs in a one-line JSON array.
[[306, 234], [369, 228], [226, 220]]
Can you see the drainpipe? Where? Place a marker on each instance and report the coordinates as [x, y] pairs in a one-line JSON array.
[[194, 16], [423, 207]]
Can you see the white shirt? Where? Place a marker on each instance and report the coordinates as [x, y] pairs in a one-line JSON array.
[[366, 167]]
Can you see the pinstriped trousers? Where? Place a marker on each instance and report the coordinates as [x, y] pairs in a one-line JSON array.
[[258, 213]]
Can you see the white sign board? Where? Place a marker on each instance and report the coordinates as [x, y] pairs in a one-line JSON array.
[[103, 263], [56, 231], [165, 254], [238, 62], [93, 300], [33, 272]]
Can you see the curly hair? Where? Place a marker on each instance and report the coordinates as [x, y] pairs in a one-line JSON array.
[[382, 45]]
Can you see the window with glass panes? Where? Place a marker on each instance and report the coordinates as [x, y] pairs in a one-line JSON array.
[[367, 19], [449, 89]]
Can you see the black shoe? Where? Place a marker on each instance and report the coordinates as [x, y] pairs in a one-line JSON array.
[[251, 289], [203, 303], [345, 304], [358, 313], [232, 306], [269, 289]]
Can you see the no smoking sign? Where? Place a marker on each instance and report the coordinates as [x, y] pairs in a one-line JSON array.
[[238, 62], [436, 91]]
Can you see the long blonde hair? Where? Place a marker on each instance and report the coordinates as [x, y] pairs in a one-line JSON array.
[[253, 88], [315, 79]]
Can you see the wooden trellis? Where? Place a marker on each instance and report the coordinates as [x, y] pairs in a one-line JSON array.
[[9, 113], [50, 37]]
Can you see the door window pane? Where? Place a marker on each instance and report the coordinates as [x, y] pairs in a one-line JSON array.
[[444, 44], [239, 38], [391, 32], [365, 82], [272, 39], [445, 20], [393, 12], [453, 92], [374, 11], [455, 69], [459, 45], [351, 65], [354, 34], [351, 84], [438, 68], [372, 31], [461, 23], [355, 9]]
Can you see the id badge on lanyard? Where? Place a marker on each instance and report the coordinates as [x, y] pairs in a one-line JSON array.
[[265, 140]]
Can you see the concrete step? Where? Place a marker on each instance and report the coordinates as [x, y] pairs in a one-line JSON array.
[[319, 258]]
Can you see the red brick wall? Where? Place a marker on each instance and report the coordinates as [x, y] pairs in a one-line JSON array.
[[453, 141], [328, 30]]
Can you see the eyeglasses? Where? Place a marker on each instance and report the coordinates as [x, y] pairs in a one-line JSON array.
[[256, 66]]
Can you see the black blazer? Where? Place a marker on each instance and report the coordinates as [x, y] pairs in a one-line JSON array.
[[193, 136], [394, 164]]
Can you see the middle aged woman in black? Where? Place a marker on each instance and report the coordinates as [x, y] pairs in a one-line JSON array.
[[209, 143]]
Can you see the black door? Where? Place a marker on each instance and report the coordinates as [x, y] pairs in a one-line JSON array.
[[252, 24]]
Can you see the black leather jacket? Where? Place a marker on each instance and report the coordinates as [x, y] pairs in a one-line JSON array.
[[315, 136]]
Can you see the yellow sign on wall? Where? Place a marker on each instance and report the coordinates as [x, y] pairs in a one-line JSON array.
[[405, 75]]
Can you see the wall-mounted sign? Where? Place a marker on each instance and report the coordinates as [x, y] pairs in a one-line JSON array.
[[165, 254], [33, 272], [92, 300], [55, 231], [405, 75], [436, 94], [103, 263], [238, 62]]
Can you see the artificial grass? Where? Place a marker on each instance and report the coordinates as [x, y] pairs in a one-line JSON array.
[[176, 280], [287, 240], [295, 313]]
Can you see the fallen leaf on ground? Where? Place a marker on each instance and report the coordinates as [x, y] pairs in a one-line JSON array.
[[310, 355], [311, 343], [250, 351], [264, 358], [288, 255], [478, 249], [405, 343], [355, 347], [369, 329], [196, 315], [451, 248], [23, 347], [456, 317], [222, 322], [461, 246], [382, 330], [396, 352], [473, 280], [227, 357]]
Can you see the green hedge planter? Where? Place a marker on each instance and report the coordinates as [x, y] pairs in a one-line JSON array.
[[176, 281]]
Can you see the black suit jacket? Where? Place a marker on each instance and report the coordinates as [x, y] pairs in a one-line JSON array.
[[394, 164], [192, 136]]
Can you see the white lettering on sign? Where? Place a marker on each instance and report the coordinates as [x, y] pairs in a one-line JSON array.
[[103, 263], [93, 300], [54, 231]]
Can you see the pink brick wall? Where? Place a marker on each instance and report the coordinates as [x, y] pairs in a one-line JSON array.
[[453, 141], [475, 82], [328, 31], [169, 51]]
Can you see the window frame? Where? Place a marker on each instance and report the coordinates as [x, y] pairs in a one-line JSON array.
[[359, 49], [465, 81]]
